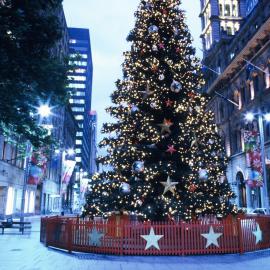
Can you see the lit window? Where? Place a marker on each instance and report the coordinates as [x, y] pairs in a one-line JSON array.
[[79, 134], [32, 202], [79, 94], [78, 151], [76, 85], [78, 159], [78, 101], [78, 142], [80, 125], [77, 78], [79, 117], [235, 10], [72, 41], [251, 89], [78, 109], [238, 99], [80, 70], [10, 201], [267, 78], [78, 63]]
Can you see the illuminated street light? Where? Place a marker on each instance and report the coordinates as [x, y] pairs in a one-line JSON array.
[[267, 117], [71, 152], [249, 116], [44, 110]]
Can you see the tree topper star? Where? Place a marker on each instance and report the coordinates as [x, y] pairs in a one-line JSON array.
[[152, 239], [169, 185]]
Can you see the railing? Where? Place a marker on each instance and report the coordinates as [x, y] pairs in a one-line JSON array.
[[207, 236]]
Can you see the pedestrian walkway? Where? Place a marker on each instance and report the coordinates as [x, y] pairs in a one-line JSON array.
[[25, 252]]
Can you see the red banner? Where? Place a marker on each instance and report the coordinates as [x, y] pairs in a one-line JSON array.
[[253, 158], [38, 166]]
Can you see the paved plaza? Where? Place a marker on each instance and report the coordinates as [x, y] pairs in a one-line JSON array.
[[25, 252]]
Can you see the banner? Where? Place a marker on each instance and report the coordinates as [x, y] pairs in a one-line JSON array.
[[37, 169], [67, 171], [253, 158], [83, 185]]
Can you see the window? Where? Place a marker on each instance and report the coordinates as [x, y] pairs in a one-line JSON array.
[[76, 85], [79, 117], [77, 78], [4, 150], [79, 94], [208, 38], [234, 10], [76, 101], [221, 111], [10, 201], [79, 134], [78, 63], [267, 78], [238, 99], [78, 142], [229, 31], [227, 11], [220, 10], [78, 159], [80, 70], [78, 109], [72, 41], [78, 151], [251, 90]]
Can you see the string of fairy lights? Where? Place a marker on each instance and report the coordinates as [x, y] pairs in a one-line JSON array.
[[164, 154]]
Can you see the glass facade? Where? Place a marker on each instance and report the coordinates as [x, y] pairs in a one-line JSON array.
[[80, 87]]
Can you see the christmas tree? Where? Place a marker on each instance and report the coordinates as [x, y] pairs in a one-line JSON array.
[[164, 153]]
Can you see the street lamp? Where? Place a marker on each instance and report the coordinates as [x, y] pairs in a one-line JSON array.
[[44, 111], [264, 190]]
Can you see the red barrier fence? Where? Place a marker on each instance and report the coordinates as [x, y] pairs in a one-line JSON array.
[[207, 236]]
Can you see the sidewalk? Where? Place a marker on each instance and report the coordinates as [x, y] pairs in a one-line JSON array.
[[25, 252]]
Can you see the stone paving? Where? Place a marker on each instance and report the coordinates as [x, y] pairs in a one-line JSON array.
[[25, 252]]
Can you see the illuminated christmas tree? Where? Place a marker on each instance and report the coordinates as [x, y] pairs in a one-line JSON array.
[[164, 152]]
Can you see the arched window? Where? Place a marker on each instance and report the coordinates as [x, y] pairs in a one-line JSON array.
[[242, 194]]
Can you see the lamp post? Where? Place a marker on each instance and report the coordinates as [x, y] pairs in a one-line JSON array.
[[44, 111], [264, 189]]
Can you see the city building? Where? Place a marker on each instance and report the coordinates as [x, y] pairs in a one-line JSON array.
[[43, 196], [80, 87], [236, 63]]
